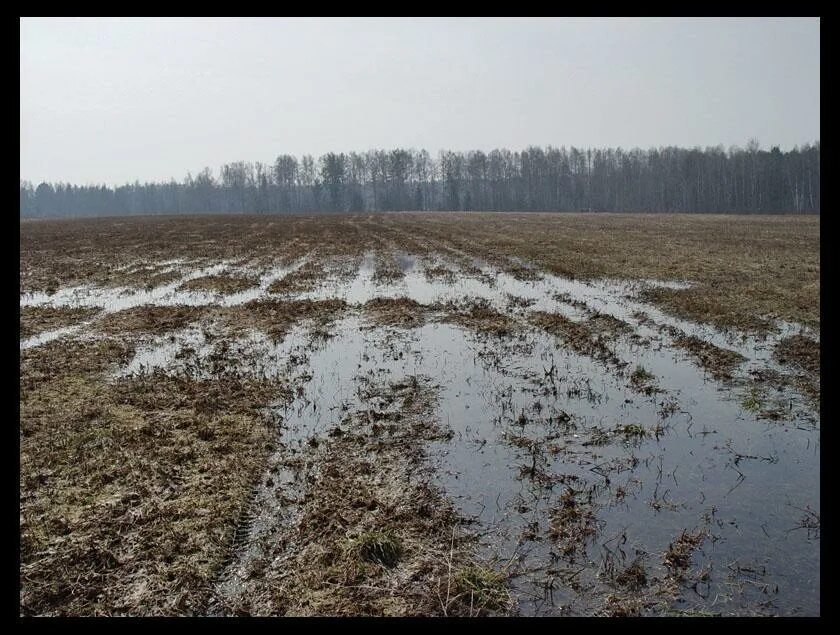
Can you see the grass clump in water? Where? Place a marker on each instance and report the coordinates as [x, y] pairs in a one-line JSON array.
[[641, 375], [633, 430], [752, 401], [482, 587], [633, 577], [379, 547], [642, 380]]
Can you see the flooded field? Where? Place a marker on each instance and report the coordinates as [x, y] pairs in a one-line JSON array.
[[396, 416]]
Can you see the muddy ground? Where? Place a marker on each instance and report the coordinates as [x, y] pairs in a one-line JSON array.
[[420, 414]]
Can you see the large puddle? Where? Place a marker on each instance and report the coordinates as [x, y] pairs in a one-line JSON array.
[[573, 477]]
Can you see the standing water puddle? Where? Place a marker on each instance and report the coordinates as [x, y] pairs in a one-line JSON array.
[[116, 299], [579, 484]]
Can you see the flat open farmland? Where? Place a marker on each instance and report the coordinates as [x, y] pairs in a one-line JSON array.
[[420, 414]]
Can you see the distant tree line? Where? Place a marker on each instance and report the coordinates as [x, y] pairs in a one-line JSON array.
[[741, 180]]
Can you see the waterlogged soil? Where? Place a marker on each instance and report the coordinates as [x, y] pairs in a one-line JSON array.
[[387, 423], [35, 320], [221, 284]]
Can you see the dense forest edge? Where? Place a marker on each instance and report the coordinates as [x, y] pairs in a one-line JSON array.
[[740, 180]]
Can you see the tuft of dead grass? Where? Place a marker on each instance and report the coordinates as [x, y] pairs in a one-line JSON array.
[[379, 547], [481, 588], [642, 380], [678, 555], [403, 312], [478, 315], [634, 577], [607, 324], [573, 523], [387, 270]]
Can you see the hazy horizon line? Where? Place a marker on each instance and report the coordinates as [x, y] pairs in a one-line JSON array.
[[188, 173]]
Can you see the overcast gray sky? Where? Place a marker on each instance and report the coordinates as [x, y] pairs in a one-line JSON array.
[[114, 100]]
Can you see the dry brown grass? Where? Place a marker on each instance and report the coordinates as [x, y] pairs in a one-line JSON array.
[[799, 351], [403, 312], [150, 319], [719, 362], [477, 315], [589, 337], [387, 270], [225, 284], [803, 354], [302, 280], [140, 276], [37, 319], [745, 267], [572, 522], [129, 489], [607, 324], [276, 317], [439, 273], [642, 381]]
